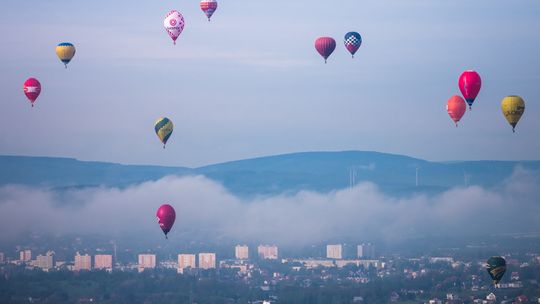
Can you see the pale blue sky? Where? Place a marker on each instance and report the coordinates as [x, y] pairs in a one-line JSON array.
[[250, 83]]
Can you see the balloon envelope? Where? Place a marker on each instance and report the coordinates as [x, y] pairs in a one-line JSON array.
[[513, 108], [164, 128], [174, 24], [209, 7], [469, 84], [352, 41], [166, 217], [32, 89], [496, 267], [325, 46], [456, 107], [65, 52]]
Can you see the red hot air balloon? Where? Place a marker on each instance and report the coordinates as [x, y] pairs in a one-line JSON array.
[[456, 107], [470, 84], [31, 89], [166, 216], [325, 46]]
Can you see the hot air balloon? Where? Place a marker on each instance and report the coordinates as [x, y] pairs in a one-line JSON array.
[[325, 46], [353, 40], [209, 7], [496, 267], [65, 51], [164, 128], [456, 107], [165, 217], [174, 24], [470, 84], [32, 89], [512, 108]]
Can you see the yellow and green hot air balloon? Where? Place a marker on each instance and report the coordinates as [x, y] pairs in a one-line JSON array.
[[164, 128], [65, 51], [512, 108]]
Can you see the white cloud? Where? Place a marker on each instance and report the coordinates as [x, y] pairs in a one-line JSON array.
[[306, 217]]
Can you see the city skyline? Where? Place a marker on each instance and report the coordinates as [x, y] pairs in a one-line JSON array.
[[462, 267], [149, 260]]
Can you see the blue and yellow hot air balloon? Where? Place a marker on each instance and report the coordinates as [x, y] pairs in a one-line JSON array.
[[65, 51], [164, 128]]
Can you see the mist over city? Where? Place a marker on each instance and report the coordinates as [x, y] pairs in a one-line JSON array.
[[357, 213]]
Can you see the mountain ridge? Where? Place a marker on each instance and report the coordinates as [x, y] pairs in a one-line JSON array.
[[284, 173]]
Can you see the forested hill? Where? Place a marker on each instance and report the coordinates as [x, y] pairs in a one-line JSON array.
[[288, 173]]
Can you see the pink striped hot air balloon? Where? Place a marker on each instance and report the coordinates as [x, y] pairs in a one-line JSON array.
[[325, 46], [209, 7]]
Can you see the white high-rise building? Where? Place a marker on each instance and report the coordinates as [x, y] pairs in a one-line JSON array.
[[25, 255], [366, 251], [82, 262], [268, 252], [186, 261], [334, 251], [1, 258], [207, 260], [103, 262], [241, 252], [45, 262], [147, 261]]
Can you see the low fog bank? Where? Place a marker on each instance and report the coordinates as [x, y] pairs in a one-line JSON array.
[[363, 212]]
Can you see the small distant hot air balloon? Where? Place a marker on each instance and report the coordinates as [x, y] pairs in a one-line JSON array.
[[209, 7], [174, 24], [470, 83], [65, 51], [166, 217], [32, 89], [513, 108], [456, 107], [353, 40], [496, 267], [164, 128], [325, 46]]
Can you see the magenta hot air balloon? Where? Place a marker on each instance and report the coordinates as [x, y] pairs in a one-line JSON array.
[[470, 83], [325, 46], [166, 217], [32, 89]]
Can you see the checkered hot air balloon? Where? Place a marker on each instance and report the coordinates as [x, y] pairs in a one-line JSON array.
[[325, 46], [209, 7], [174, 24], [353, 41]]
